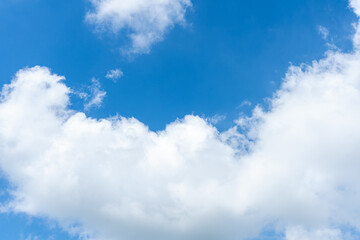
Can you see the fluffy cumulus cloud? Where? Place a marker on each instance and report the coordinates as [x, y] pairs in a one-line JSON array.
[[293, 168], [144, 21]]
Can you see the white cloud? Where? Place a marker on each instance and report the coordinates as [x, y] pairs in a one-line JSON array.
[[96, 97], [144, 21], [114, 74], [216, 119], [116, 178], [355, 4], [31, 237], [324, 32], [298, 233], [294, 167]]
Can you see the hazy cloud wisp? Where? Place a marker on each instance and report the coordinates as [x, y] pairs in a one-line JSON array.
[[114, 74]]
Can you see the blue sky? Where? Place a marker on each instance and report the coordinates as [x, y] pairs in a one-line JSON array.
[[226, 55]]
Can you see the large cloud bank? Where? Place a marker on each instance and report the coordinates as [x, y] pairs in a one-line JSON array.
[[145, 21], [293, 168]]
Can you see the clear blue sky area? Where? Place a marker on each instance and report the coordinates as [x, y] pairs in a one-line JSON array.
[[229, 52]]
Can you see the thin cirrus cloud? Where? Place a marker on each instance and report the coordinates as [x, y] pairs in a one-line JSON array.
[[144, 21], [293, 167]]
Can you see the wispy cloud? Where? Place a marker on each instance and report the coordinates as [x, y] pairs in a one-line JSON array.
[[216, 119], [96, 96], [114, 74], [324, 32]]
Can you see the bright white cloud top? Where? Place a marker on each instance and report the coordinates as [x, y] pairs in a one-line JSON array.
[[146, 21], [295, 166]]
